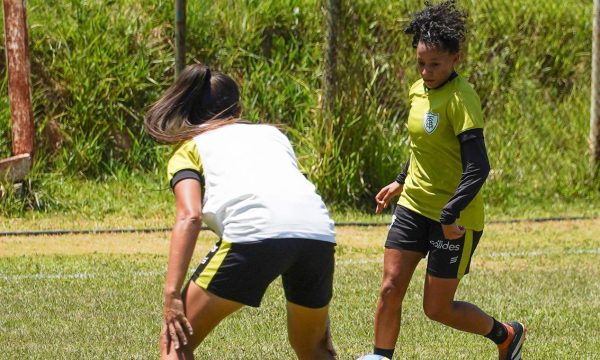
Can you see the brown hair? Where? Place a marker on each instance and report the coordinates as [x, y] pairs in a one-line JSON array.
[[198, 101]]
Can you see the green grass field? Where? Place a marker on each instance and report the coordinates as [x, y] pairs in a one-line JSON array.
[[99, 297], [96, 66]]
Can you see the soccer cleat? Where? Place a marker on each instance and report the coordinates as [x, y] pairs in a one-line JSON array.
[[511, 348]]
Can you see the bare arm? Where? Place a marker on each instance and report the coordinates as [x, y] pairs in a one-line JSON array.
[[188, 220], [393, 189]]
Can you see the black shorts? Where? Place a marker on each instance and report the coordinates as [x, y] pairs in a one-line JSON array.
[[446, 258], [242, 272]]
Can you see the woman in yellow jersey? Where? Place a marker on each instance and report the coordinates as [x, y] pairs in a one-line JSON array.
[[242, 181], [440, 211]]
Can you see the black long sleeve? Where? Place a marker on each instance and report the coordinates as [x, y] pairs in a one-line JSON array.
[[402, 176], [476, 167]]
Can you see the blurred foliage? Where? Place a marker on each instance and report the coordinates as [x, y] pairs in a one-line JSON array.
[[97, 65]]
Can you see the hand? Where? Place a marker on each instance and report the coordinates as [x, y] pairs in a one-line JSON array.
[[453, 231], [174, 323], [330, 347], [384, 195]]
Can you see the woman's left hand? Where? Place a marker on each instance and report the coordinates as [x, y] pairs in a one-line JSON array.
[[453, 231], [175, 323]]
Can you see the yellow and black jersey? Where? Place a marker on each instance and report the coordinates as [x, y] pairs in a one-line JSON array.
[[437, 118], [253, 189], [184, 163]]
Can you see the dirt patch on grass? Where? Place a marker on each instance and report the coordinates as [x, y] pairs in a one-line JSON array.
[[498, 238]]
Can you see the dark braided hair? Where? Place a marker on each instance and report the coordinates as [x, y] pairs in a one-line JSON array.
[[441, 25]]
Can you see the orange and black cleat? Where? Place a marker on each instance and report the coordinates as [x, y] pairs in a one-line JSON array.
[[511, 348]]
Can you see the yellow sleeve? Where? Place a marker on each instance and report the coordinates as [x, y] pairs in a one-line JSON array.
[[184, 157], [464, 112]]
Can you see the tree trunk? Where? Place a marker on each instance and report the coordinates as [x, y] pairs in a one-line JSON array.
[[595, 100], [179, 36], [19, 83], [332, 19]]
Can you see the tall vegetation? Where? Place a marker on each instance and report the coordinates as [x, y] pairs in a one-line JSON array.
[[97, 65]]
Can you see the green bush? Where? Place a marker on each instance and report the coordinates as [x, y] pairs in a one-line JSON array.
[[97, 65]]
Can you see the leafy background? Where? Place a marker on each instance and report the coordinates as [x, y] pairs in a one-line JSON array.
[[97, 65]]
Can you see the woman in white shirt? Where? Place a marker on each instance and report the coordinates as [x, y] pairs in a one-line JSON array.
[[242, 180]]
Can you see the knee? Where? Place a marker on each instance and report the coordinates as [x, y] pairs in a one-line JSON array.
[[306, 349], [168, 351], [391, 292], [437, 311], [297, 344]]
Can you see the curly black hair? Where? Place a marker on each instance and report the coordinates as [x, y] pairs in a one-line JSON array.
[[442, 25]]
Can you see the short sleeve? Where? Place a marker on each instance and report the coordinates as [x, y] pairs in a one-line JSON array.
[[464, 112], [185, 160]]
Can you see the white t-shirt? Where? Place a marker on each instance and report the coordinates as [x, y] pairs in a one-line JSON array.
[[253, 187]]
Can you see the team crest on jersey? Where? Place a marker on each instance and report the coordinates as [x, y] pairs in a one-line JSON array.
[[430, 122]]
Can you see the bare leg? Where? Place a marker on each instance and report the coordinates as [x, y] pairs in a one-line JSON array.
[[439, 305], [398, 269], [204, 311], [307, 332]]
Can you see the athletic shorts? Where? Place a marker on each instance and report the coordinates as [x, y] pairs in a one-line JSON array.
[[242, 272], [446, 258]]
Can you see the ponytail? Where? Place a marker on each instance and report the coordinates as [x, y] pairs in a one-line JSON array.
[[198, 101]]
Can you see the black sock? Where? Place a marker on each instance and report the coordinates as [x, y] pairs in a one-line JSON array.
[[383, 352], [498, 333]]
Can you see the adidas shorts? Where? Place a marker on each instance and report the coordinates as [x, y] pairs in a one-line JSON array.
[[445, 258], [242, 272]]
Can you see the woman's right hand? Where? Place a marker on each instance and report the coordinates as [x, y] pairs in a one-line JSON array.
[[453, 231], [175, 323], [384, 195]]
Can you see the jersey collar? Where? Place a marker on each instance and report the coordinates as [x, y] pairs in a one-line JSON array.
[[452, 76]]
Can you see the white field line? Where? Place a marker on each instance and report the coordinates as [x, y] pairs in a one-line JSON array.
[[79, 276], [359, 261], [494, 254]]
